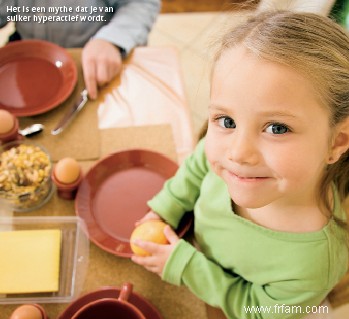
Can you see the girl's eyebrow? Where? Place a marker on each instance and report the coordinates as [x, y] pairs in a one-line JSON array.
[[278, 114], [218, 107], [272, 113]]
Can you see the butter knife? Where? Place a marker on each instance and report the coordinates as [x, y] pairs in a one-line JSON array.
[[75, 109]]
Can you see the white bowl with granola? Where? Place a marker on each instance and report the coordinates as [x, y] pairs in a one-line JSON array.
[[25, 175]]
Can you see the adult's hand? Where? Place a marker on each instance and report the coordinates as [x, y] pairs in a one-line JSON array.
[[101, 62]]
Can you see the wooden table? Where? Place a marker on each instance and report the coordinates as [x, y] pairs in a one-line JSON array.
[[104, 268]]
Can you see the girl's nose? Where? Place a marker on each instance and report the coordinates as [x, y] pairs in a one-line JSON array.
[[243, 149]]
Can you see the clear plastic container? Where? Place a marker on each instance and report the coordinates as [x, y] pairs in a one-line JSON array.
[[73, 258]]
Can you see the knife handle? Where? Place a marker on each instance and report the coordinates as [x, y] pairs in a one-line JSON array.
[[67, 118]]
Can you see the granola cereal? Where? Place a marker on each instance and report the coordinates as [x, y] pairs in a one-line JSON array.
[[24, 175]]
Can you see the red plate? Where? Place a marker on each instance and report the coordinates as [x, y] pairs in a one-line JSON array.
[[35, 76], [113, 195], [148, 310]]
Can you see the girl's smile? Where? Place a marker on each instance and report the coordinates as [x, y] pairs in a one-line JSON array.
[[248, 179], [246, 175]]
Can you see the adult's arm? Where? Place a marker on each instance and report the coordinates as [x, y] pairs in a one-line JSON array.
[[131, 24]]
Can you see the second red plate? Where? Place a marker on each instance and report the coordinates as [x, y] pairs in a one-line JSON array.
[[35, 76], [113, 195]]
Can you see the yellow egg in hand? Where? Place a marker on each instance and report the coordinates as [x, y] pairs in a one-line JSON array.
[[151, 230]]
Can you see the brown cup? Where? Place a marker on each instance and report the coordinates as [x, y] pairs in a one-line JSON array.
[[12, 134], [111, 308], [66, 191]]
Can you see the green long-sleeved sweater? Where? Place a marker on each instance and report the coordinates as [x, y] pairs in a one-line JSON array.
[[242, 265]]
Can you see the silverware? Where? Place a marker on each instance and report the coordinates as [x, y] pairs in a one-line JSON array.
[[31, 130], [75, 109]]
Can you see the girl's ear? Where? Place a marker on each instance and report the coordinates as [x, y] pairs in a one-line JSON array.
[[340, 141]]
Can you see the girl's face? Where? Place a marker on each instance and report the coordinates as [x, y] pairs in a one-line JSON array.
[[268, 136]]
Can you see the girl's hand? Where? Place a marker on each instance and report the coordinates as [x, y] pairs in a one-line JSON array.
[[148, 216], [159, 253]]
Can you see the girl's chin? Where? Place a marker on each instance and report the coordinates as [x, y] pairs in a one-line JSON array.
[[250, 201], [248, 205]]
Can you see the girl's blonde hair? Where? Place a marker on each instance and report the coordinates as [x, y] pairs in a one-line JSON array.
[[317, 47]]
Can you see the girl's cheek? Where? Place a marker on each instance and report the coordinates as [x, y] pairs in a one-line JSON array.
[[214, 164], [210, 151]]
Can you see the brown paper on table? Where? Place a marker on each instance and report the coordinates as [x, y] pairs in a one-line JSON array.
[[157, 138], [149, 91], [82, 132]]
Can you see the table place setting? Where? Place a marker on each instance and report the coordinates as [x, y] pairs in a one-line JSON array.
[[99, 175], [83, 131]]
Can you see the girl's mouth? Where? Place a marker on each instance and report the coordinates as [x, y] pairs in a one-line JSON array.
[[248, 178]]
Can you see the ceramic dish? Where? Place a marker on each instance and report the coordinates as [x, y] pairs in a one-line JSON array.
[[113, 195], [148, 310], [35, 77]]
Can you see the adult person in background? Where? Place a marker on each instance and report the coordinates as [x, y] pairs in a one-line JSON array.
[[121, 25]]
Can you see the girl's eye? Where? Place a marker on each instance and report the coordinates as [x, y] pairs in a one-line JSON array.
[[226, 122], [277, 129]]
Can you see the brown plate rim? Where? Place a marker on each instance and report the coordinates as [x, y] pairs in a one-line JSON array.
[[81, 207], [22, 48]]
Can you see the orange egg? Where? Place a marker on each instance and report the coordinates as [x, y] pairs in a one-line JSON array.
[[26, 312], [151, 230], [7, 121], [67, 170]]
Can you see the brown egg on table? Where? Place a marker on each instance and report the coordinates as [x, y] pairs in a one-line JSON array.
[[67, 170], [28, 312], [8, 126], [7, 121], [67, 176]]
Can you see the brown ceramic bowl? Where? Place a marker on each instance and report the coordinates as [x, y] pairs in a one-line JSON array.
[[108, 308], [111, 308], [147, 309]]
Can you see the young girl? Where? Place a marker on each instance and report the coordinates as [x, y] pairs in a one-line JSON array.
[[268, 181]]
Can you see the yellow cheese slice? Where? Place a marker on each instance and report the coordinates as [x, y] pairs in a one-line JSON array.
[[29, 261]]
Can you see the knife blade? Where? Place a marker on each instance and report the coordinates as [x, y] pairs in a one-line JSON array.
[[75, 109]]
